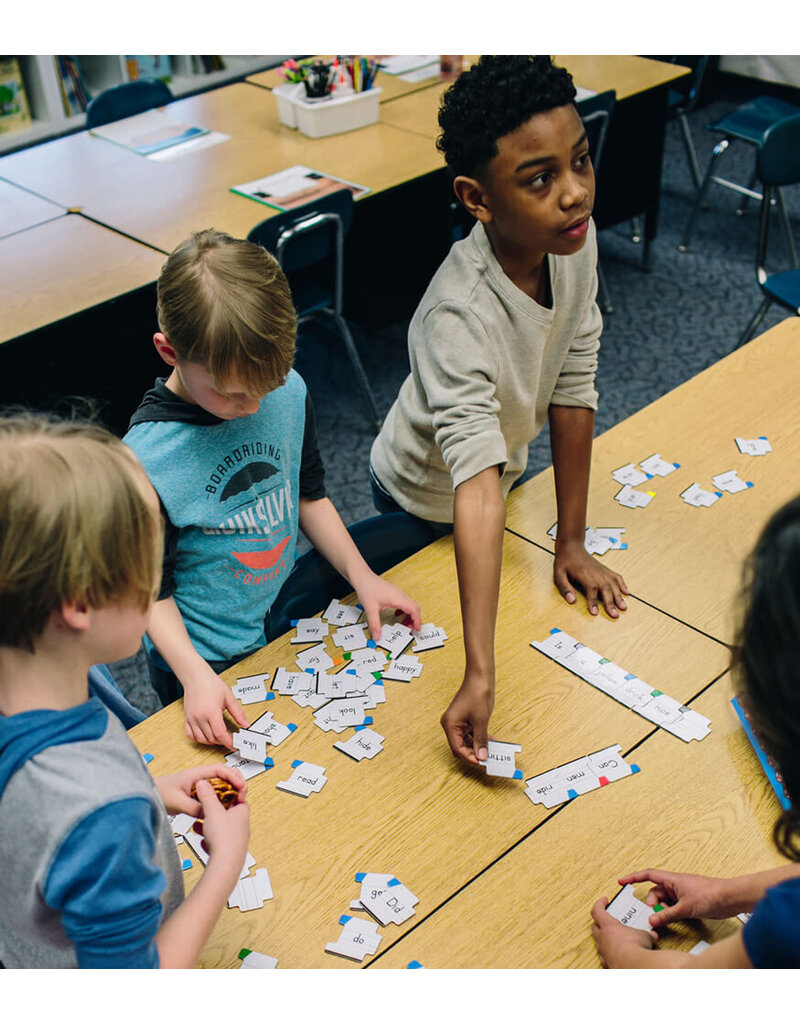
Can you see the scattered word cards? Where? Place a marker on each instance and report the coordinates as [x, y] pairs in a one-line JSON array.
[[600, 539], [251, 892], [309, 631], [500, 761], [629, 497], [730, 482], [579, 776], [385, 897], [252, 960], [339, 614], [756, 446], [404, 669], [247, 767], [654, 465], [251, 689], [630, 911], [698, 497], [357, 938], [427, 637], [306, 779], [624, 687], [363, 743]]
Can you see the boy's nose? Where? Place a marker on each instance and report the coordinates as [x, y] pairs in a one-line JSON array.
[[575, 192]]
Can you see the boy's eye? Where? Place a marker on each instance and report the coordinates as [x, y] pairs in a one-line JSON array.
[[583, 159], [540, 180]]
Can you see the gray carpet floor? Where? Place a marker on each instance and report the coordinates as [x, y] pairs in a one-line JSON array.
[[668, 324]]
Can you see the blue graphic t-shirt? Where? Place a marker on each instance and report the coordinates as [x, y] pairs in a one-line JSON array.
[[230, 489]]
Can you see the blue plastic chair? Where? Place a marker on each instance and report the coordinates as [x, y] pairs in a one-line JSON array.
[[303, 241], [748, 123], [778, 164], [383, 540], [126, 100]]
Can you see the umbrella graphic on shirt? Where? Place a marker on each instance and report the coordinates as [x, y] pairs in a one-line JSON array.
[[261, 560], [243, 480]]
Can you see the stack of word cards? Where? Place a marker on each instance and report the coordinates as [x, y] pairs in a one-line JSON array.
[[386, 900], [579, 776], [624, 686], [599, 539]]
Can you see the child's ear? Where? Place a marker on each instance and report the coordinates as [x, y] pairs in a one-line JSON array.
[[164, 349], [74, 615], [472, 197]]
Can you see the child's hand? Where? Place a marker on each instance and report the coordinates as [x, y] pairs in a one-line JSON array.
[[687, 896], [226, 832], [616, 941], [466, 721], [204, 701], [575, 566], [175, 789], [376, 593]]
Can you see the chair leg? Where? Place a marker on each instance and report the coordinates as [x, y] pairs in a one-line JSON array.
[[636, 230], [719, 149], [603, 295], [787, 227], [691, 154], [355, 360], [742, 207], [753, 325]]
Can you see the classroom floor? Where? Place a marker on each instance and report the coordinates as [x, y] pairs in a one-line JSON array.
[[667, 326]]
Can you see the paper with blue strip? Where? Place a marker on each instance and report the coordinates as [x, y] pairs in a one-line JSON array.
[[276, 732], [309, 631], [339, 614], [731, 482], [629, 910], [756, 446], [363, 743], [654, 465], [501, 759], [306, 778], [625, 687], [579, 776], [252, 689], [395, 903], [629, 474], [357, 939], [248, 768], [698, 497]]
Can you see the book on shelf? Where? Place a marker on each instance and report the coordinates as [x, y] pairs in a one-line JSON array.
[[14, 109], [771, 769], [74, 94], [148, 132], [294, 187], [206, 65], [149, 67]]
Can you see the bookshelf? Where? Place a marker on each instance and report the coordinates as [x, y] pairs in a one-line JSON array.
[[41, 79]]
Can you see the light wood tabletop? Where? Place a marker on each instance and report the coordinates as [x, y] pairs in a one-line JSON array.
[[703, 807], [414, 811], [162, 202], [64, 266], [688, 561], [418, 112], [20, 209]]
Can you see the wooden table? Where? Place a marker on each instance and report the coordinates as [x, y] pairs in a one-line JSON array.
[[627, 188], [65, 265], [161, 203], [687, 561], [20, 209], [703, 807], [413, 810]]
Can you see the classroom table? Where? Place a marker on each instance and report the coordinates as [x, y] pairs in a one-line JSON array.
[[687, 561], [704, 807], [162, 202], [20, 209], [413, 810], [90, 264], [629, 186]]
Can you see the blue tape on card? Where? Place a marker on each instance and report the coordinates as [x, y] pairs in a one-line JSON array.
[[630, 675], [392, 882], [291, 727], [517, 774], [371, 643], [367, 720], [147, 758], [623, 547], [413, 965], [312, 671], [296, 764], [270, 696], [635, 768], [749, 483], [555, 629], [571, 794], [345, 918], [185, 864], [718, 493], [361, 606], [358, 728], [360, 876], [293, 622], [269, 763]]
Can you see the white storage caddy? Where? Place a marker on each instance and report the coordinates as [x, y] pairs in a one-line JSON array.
[[339, 113]]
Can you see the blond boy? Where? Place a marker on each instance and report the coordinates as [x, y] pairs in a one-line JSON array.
[[91, 876], [228, 441]]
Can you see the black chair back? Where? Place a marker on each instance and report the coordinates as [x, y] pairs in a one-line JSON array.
[[308, 247], [126, 100], [778, 160], [595, 112]]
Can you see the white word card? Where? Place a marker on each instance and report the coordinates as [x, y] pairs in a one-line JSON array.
[[316, 658], [404, 669], [756, 446], [260, 961], [731, 482], [500, 760], [699, 497], [427, 637], [357, 939], [629, 910], [339, 614], [251, 892], [629, 497], [350, 638], [579, 776], [309, 631], [306, 779], [629, 474], [363, 743], [251, 689], [395, 904], [275, 732], [395, 638], [654, 465], [247, 767]]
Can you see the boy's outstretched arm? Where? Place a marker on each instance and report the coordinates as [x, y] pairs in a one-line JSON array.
[[205, 694], [478, 528], [323, 526], [181, 938], [571, 431]]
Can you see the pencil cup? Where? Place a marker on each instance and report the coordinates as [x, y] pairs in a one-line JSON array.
[[343, 112]]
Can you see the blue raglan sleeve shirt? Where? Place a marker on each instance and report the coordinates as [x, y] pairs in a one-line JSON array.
[[112, 922], [772, 935]]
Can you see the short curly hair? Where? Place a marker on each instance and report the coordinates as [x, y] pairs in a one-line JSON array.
[[491, 99]]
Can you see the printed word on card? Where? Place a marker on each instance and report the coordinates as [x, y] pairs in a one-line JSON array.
[[395, 638], [579, 776], [275, 732], [363, 743], [317, 659], [252, 689], [698, 497], [259, 961], [599, 540], [247, 767], [395, 904], [428, 637], [350, 638], [731, 482], [251, 892], [629, 474], [629, 497], [339, 614], [368, 658], [500, 760], [624, 686], [289, 683], [373, 884], [756, 446], [309, 631], [629, 910], [339, 715], [404, 669], [306, 779], [357, 939]]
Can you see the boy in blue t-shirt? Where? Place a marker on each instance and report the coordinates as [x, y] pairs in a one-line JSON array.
[[91, 876], [228, 441]]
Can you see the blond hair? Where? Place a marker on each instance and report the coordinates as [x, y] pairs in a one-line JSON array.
[[75, 524], [225, 303]]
